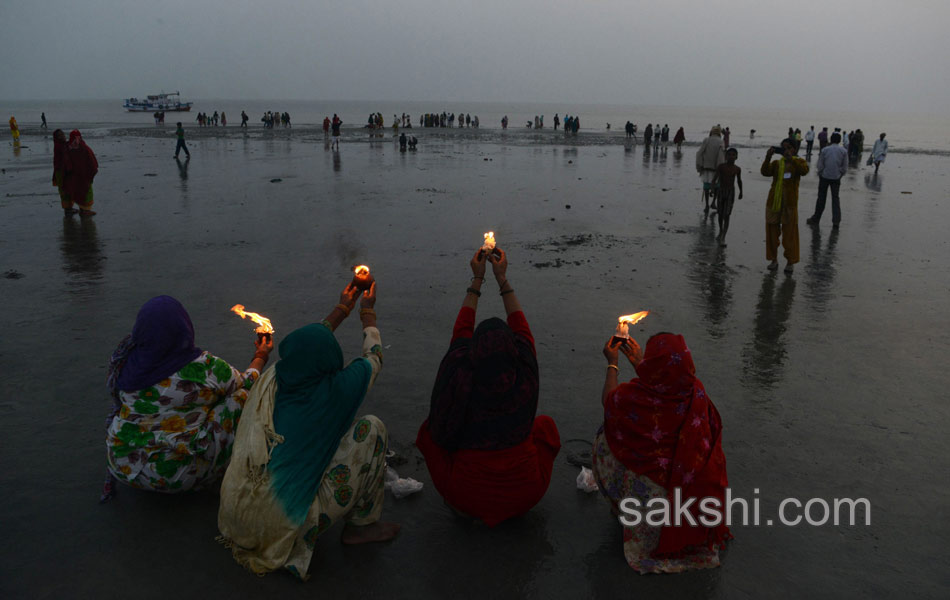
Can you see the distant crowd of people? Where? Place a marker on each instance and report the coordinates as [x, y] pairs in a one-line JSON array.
[[204, 120], [446, 119], [275, 119]]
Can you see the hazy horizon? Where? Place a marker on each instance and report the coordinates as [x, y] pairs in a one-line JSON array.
[[868, 55]]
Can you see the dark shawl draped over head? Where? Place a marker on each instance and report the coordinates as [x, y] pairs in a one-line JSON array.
[[486, 393], [81, 167], [161, 343], [664, 426]]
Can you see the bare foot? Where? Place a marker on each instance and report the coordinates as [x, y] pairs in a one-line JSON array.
[[364, 534]]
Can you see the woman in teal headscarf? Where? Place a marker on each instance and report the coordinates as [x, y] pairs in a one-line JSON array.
[[301, 459]]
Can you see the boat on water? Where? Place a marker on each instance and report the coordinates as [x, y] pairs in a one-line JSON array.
[[159, 102]]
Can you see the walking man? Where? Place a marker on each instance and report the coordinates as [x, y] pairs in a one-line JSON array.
[[878, 152], [832, 165], [180, 132]]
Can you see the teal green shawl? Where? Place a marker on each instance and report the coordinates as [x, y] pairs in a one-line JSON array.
[[315, 404]]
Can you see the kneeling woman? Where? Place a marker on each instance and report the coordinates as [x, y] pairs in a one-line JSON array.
[[488, 455], [302, 460], [175, 408], [661, 432]]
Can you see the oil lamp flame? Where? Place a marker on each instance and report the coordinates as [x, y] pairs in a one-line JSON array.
[[489, 244], [626, 320], [263, 323], [362, 271]]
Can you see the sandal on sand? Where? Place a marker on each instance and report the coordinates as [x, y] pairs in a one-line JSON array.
[[789, 269], [86, 213], [773, 266]]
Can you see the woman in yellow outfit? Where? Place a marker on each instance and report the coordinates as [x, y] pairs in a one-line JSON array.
[[15, 130], [781, 210]]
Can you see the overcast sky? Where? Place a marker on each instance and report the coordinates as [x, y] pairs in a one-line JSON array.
[[858, 54]]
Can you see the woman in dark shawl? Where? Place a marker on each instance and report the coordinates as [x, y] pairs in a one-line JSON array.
[[487, 453], [59, 171], [81, 169], [661, 434]]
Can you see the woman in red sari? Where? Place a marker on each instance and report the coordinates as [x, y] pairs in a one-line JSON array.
[[661, 432], [81, 169], [487, 453]]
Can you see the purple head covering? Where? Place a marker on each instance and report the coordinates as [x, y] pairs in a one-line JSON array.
[[162, 341]]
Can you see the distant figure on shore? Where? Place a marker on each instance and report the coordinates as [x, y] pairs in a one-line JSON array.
[[164, 389], [224, 119], [752, 134], [878, 152], [709, 156], [809, 141], [180, 133], [798, 140], [489, 453], [412, 143], [326, 126], [648, 134], [244, 119], [335, 126], [727, 174], [831, 167], [468, 120], [43, 117], [504, 122], [628, 129], [781, 209], [81, 169], [822, 138], [557, 121], [657, 133], [856, 147], [660, 432], [725, 137], [403, 141], [59, 171], [14, 130], [214, 118], [665, 135], [679, 138]]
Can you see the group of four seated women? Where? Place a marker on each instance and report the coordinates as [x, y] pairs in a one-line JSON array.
[[293, 457]]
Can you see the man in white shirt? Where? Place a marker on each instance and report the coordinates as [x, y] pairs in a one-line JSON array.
[[832, 165], [809, 142]]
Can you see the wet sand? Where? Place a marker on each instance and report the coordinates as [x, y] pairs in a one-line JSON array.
[[831, 382]]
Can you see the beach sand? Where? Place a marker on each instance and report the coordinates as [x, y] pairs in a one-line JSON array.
[[831, 383]]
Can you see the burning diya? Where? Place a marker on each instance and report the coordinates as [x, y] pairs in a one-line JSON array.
[[624, 322], [264, 327], [362, 278], [489, 246]]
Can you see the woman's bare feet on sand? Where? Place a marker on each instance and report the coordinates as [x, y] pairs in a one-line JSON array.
[[364, 534]]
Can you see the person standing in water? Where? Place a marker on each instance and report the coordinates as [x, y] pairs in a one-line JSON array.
[[781, 208], [14, 130], [878, 152], [243, 119], [727, 174], [335, 126], [43, 117], [59, 171], [180, 132], [80, 170], [709, 156], [832, 165]]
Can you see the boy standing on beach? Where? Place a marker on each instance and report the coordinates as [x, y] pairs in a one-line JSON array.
[[726, 176], [180, 132]]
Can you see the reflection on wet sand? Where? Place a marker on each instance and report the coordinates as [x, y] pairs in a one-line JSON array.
[[820, 271], [82, 255], [764, 357], [183, 171], [337, 161], [873, 182], [711, 277]]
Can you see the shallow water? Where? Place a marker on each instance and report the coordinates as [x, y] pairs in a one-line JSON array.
[[831, 382]]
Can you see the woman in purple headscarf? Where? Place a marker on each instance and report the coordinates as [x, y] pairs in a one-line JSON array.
[[175, 408]]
